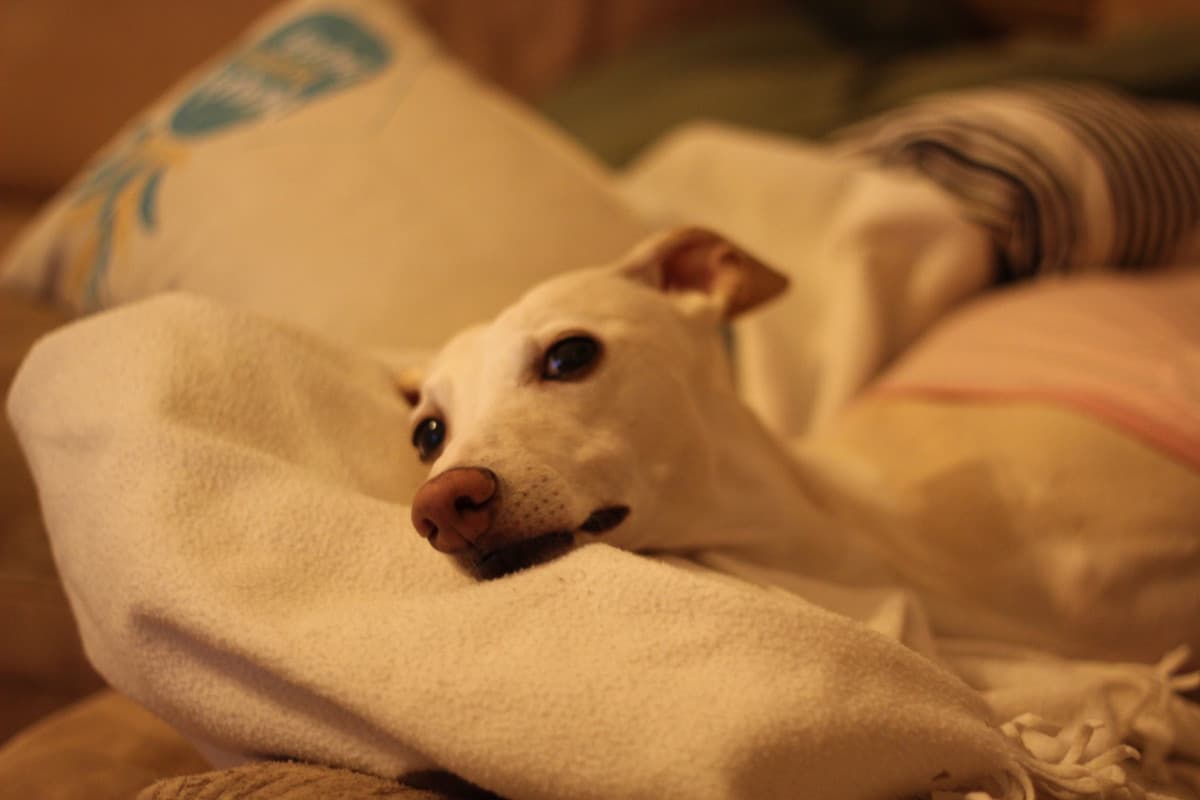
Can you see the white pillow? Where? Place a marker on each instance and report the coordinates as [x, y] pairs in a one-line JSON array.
[[335, 170]]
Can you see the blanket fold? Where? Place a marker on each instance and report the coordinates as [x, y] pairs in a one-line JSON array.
[[224, 497]]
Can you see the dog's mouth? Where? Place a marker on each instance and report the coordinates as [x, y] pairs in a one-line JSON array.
[[604, 519], [522, 554], [540, 549]]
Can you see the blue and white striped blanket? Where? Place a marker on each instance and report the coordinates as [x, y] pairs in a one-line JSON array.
[[1062, 176]]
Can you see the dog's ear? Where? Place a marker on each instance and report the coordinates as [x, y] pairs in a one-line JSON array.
[[698, 259], [408, 383], [407, 369]]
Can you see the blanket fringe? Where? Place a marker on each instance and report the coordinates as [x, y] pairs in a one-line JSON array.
[[1071, 776], [1050, 761], [1168, 669]]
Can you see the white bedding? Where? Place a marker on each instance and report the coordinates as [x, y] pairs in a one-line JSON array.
[[225, 501]]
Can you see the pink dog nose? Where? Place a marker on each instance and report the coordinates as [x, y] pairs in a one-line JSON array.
[[454, 509]]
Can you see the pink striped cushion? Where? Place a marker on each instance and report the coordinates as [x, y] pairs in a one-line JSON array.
[[1124, 349]]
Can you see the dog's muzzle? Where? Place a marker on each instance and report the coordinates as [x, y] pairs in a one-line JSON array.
[[456, 512], [521, 555]]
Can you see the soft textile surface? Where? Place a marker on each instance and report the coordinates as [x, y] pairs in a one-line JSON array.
[[917, 211], [1031, 523], [327, 170], [1126, 351], [1063, 176], [103, 748], [272, 780], [874, 256], [238, 485]]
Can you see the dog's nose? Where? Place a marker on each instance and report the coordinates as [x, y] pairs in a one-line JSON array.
[[455, 508]]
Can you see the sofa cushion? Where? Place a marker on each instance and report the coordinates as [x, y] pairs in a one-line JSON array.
[[105, 747], [41, 661]]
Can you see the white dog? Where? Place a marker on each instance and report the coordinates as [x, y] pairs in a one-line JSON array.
[[602, 406]]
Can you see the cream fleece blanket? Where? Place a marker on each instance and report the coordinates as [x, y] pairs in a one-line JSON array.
[[225, 501]]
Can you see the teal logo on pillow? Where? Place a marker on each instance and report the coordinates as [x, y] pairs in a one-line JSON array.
[[308, 58], [295, 64]]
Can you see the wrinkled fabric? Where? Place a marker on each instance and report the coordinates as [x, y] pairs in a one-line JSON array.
[[225, 498]]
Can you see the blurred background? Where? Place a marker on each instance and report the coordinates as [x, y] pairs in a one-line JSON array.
[[613, 73]]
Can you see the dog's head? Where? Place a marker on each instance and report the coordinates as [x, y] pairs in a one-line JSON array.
[[586, 409]]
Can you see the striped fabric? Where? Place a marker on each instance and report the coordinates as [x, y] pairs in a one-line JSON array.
[[1064, 177]]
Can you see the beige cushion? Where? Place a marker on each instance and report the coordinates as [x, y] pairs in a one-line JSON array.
[[335, 170]]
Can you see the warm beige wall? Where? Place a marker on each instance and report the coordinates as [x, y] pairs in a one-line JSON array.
[[72, 71]]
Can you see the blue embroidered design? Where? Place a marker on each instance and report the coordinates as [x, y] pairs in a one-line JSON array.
[[306, 59], [299, 62]]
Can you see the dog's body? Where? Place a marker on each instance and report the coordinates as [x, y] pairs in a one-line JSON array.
[[601, 407]]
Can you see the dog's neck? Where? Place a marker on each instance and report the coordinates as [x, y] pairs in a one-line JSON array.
[[770, 505]]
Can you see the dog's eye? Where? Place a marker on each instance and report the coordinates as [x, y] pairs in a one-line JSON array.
[[429, 437], [570, 359]]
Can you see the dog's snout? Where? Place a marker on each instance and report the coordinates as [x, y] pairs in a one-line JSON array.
[[456, 508]]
